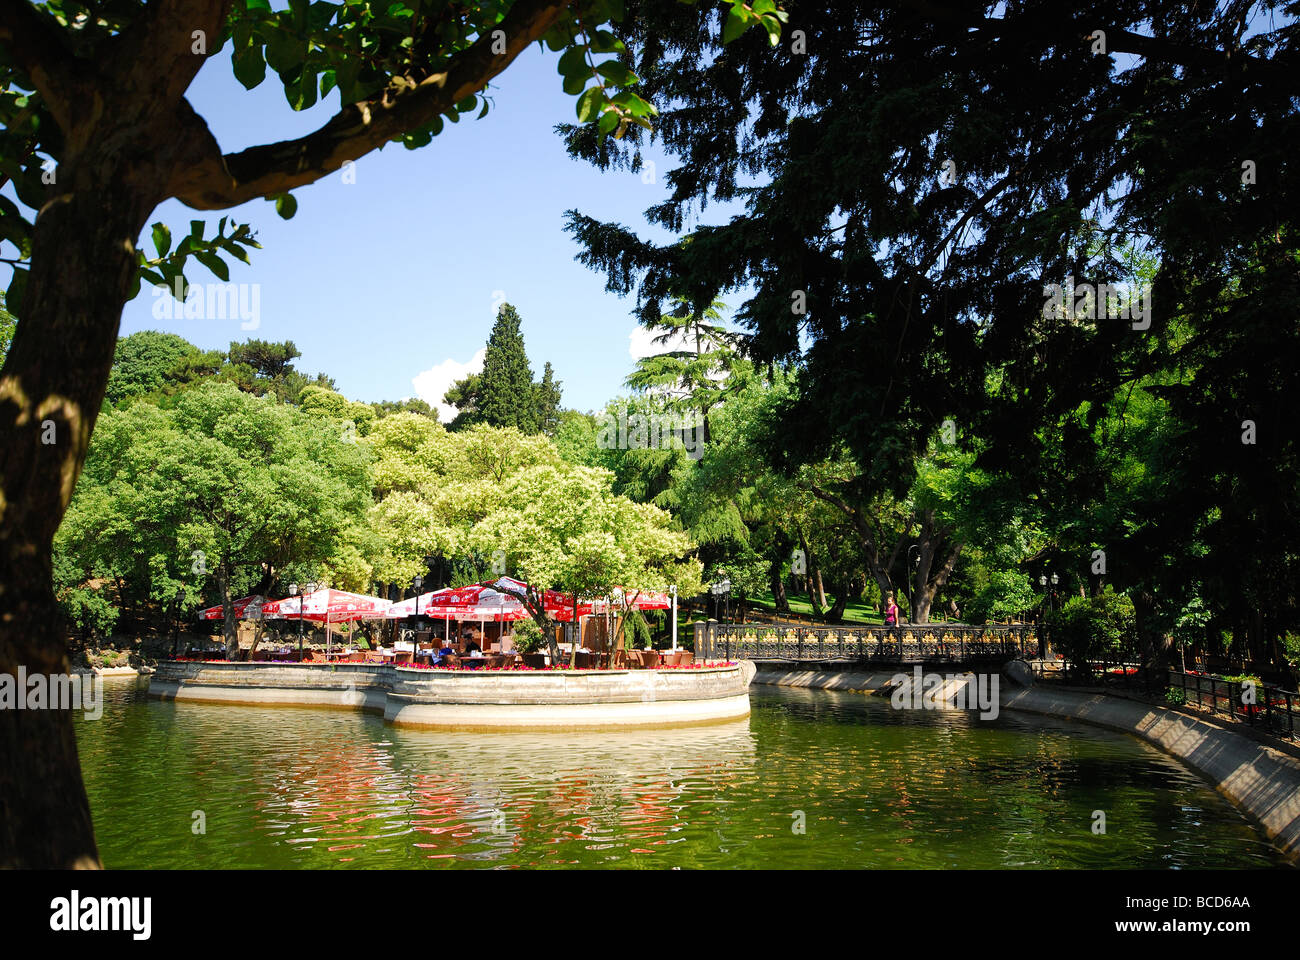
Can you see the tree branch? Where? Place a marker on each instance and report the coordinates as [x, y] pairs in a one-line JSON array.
[[37, 45], [215, 182], [155, 52]]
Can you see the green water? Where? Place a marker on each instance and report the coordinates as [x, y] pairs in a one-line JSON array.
[[289, 787]]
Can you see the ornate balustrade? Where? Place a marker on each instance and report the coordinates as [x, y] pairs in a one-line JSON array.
[[911, 642]]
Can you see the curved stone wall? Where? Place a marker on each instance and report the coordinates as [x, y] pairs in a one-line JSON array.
[[472, 699]]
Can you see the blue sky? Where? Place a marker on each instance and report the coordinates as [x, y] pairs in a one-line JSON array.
[[398, 273]]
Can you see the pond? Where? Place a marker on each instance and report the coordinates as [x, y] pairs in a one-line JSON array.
[[812, 779]]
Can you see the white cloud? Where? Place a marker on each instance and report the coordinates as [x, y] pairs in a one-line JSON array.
[[641, 343], [430, 385]]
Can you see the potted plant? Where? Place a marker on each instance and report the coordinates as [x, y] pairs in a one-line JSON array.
[[528, 640]]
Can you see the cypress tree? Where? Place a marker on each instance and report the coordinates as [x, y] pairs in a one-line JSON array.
[[548, 402], [508, 398]]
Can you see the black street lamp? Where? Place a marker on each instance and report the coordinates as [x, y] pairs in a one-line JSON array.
[[1046, 607], [911, 580], [293, 592]]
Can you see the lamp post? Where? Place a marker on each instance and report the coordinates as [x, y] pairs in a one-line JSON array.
[[911, 585], [672, 591], [1047, 606], [309, 587], [719, 590], [293, 592], [417, 582]]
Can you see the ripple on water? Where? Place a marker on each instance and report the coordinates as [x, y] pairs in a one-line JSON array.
[[873, 787]]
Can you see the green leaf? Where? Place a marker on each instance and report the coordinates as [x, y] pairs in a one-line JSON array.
[[236, 251], [589, 104], [214, 263], [574, 63], [301, 91], [162, 239], [773, 28], [735, 25], [608, 121], [606, 42], [327, 82], [284, 53], [635, 104], [196, 229], [263, 5], [285, 205], [574, 85], [616, 73], [250, 68]]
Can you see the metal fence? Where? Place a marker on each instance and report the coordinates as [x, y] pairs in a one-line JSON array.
[[908, 643], [1270, 708], [1264, 706]]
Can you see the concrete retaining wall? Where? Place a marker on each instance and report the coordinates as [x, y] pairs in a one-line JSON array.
[[1262, 782], [477, 699]]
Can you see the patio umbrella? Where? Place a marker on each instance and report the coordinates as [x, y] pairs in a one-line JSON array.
[[328, 606], [246, 608]]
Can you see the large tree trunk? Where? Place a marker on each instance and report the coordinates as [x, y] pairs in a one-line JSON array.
[[229, 626], [777, 583], [836, 612], [51, 389]]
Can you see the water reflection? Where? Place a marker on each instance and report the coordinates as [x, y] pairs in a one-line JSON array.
[[286, 787]]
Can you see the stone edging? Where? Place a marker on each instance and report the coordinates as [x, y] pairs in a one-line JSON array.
[[1262, 782], [479, 699]]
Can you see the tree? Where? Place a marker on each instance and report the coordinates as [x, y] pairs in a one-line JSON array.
[[144, 361], [410, 405], [507, 397], [911, 196], [268, 360], [466, 395], [97, 175], [431, 486], [7, 324], [548, 402], [210, 495], [703, 356], [564, 529]]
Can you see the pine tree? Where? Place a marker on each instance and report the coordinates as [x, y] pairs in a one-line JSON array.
[[507, 397], [548, 402]]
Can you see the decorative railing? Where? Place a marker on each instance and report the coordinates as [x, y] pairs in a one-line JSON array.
[[914, 642]]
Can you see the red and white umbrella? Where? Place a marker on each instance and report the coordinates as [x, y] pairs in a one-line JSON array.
[[558, 605], [328, 606], [622, 599], [475, 602], [246, 608]]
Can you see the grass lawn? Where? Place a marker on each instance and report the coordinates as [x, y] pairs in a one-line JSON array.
[[799, 603]]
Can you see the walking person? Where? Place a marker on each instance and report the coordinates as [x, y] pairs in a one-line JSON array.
[[891, 622], [891, 611]]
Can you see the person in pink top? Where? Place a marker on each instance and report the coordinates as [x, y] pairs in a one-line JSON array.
[[891, 611]]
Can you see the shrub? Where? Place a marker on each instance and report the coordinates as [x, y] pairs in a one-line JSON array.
[[528, 636], [1088, 628]]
